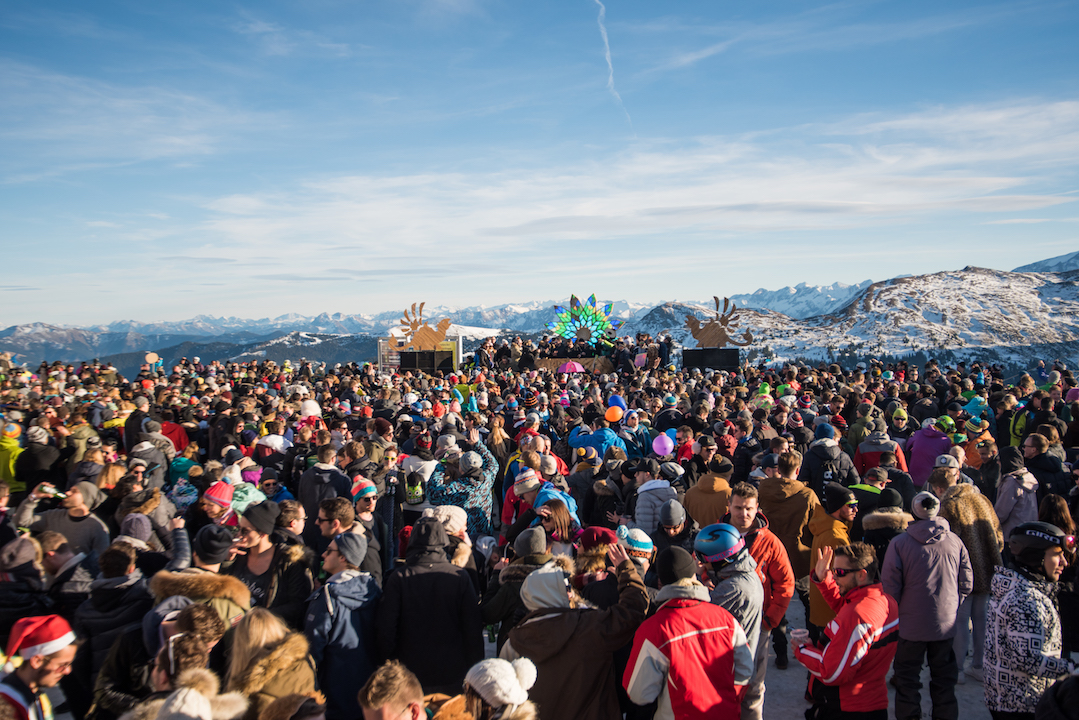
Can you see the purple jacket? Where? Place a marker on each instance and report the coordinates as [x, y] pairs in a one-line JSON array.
[[928, 572], [922, 450]]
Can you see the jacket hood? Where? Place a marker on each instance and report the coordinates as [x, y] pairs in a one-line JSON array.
[[744, 564], [222, 707], [688, 589], [825, 448], [143, 502], [928, 532], [654, 485], [1026, 480], [546, 588], [428, 543], [109, 593], [604, 488], [143, 446], [522, 567], [200, 585], [351, 589], [887, 519]]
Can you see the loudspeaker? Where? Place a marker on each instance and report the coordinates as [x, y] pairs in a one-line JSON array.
[[427, 360], [715, 358]]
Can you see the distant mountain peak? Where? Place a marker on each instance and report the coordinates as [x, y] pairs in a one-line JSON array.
[[1060, 263]]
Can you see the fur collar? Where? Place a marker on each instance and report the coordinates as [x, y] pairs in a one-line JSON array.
[[279, 659], [887, 519], [200, 585]]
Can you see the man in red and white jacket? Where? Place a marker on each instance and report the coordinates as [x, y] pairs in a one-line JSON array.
[[851, 670], [691, 655]]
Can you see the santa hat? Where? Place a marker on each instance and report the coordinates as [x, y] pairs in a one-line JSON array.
[[41, 635]]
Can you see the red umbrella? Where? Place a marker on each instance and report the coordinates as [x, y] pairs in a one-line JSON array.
[[571, 367]]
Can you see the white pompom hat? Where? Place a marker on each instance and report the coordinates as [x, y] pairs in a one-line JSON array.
[[502, 683]]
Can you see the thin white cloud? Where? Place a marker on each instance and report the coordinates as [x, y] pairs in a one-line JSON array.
[[278, 40], [54, 124], [887, 172], [825, 28], [601, 21]]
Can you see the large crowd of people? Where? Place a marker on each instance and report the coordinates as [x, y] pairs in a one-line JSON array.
[[254, 541]]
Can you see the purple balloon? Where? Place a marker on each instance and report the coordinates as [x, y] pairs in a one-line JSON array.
[[662, 445]]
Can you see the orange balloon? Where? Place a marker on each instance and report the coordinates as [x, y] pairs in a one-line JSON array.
[[613, 414]]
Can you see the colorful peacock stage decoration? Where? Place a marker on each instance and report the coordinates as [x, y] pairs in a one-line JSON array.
[[585, 321]]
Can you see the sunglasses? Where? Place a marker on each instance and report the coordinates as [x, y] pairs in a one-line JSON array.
[[843, 572]]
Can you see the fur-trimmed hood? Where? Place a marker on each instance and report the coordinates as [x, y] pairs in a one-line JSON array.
[[200, 585], [519, 569], [228, 706], [604, 488], [143, 502], [890, 518], [280, 659]]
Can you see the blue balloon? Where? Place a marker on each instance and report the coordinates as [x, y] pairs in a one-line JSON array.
[[673, 433], [617, 401]]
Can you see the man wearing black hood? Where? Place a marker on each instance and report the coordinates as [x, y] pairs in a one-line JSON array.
[[429, 616]]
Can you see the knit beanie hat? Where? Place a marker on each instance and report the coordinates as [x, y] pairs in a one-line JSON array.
[[836, 496], [138, 526], [14, 430], [674, 564], [353, 547], [637, 544], [453, 518], [594, 536], [670, 401], [889, 498], [824, 430], [925, 506], [839, 421], [899, 414], [220, 494], [91, 495], [672, 514], [502, 683], [263, 516], [212, 544], [37, 434], [362, 487], [525, 482], [532, 541], [975, 426], [795, 420]]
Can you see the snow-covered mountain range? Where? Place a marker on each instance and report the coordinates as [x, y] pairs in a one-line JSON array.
[[1010, 317]]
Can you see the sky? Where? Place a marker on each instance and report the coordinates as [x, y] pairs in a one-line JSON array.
[[163, 160]]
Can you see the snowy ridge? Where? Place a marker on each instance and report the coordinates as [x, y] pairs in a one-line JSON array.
[[1008, 316], [1060, 263]]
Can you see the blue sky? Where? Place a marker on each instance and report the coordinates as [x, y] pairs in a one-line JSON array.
[[161, 160]]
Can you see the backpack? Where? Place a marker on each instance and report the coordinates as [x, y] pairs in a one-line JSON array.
[[831, 470], [415, 494]]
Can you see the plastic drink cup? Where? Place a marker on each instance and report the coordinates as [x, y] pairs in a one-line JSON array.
[[800, 635]]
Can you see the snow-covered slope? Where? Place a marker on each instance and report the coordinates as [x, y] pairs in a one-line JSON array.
[[1060, 263]]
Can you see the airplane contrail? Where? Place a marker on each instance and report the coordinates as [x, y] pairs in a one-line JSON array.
[[607, 54]]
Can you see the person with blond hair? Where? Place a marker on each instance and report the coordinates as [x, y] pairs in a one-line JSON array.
[[268, 661]]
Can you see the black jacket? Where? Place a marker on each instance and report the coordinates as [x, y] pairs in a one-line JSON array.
[[114, 605], [743, 459], [1050, 474], [429, 616], [22, 594], [71, 587]]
